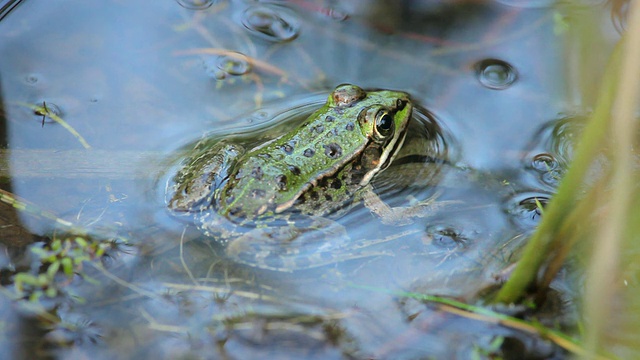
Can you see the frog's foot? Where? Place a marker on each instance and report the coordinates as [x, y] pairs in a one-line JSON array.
[[401, 215], [290, 247]]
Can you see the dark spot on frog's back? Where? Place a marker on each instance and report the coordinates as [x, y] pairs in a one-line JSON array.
[[322, 183], [350, 126], [336, 183], [281, 182], [257, 173], [236, 211], [258, 193], [329, 118], [333, 150], [314, 195], [287, 148], [309, 152], [294, 169]]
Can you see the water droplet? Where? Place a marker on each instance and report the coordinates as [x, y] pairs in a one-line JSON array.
[[495, 74], [273, 23], [49, 108], [233, 64], [195, 4]]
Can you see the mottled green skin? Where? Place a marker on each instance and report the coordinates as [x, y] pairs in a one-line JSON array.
[[313, 169]]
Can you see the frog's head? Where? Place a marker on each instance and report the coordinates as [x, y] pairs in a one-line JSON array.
[[383, 117]]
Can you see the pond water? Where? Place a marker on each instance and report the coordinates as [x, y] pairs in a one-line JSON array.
[[138, 83]]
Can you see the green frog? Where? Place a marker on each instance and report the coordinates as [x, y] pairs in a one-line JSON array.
[[317, 169]]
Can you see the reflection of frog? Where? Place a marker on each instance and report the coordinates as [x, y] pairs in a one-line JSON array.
[[315, 169]]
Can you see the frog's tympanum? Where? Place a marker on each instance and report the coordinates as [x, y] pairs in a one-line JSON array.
[[316, 169]]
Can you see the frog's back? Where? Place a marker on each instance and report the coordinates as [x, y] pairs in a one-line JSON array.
[[270, 178]]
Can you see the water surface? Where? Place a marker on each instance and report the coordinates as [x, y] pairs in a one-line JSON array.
[[141, 80]]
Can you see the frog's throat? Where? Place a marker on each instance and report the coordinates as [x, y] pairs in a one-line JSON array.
[[387, 156]]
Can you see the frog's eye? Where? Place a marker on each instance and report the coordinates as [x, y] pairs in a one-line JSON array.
[[384, 124]]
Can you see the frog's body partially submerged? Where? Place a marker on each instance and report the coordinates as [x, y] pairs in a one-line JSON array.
[[315, 169]]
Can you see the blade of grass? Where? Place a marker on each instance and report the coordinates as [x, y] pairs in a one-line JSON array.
[[604, 267], [537, 249], [44, 111]]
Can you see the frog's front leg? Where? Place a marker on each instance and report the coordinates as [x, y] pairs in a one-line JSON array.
[[400, 215]]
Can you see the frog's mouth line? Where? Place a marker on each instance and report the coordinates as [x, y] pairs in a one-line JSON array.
[[386, 158]]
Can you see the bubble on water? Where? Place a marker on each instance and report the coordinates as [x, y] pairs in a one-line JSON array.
[[526, 208], [495, 74], [273, 23], [552, 148], [548, 167], [544, 162], [195, 4], [233, 63], [47, 109], [564, 136]]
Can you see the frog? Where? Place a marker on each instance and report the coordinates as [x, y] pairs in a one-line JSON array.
[[247, 198]]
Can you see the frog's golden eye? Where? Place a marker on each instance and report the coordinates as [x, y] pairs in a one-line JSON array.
[[384, 124]]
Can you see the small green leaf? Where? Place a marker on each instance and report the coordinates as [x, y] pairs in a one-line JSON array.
[[53, 269], [51, 292], [67, 266], [81, 242]]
